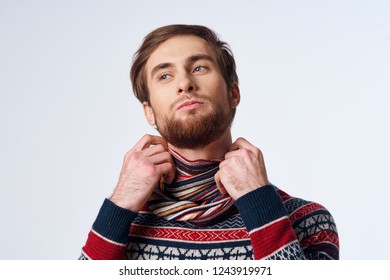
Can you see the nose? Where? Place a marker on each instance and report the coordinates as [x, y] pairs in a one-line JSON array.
[[185, 85]]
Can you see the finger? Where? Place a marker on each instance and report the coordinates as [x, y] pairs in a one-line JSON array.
[[160, 158], [148, 140], [168, 171], [242, 143], [231, 154], [219, 184], [154, 150]]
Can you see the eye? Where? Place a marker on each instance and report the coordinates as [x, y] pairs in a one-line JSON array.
[[200, 68], [163, 77]]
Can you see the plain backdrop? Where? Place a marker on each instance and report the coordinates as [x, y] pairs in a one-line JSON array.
[[315, 86]]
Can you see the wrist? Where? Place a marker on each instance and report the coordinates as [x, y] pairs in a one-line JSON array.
[[113, 222], [261, 206], [125, 203], [250, 187]]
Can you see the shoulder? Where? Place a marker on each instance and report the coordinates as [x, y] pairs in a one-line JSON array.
[[314, 227], [307, 217], [296, 205], [307, 214]]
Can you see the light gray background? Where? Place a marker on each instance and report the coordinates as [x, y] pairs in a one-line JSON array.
[[315, 90]]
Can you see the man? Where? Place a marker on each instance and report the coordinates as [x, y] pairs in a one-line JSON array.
[[193, 193]]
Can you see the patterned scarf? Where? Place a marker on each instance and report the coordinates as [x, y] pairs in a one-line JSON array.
[[193, 196]]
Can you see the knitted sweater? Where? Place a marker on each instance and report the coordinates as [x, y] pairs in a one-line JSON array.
[[265, 223]]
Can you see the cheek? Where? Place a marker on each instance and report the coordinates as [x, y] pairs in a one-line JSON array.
[[218, 84], [157, 101], [161, 94], [161, 105], [221, 92]]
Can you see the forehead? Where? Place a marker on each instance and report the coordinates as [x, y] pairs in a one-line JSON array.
[[177, 49]]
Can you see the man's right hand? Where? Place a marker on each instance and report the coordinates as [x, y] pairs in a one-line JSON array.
[[143, 166]]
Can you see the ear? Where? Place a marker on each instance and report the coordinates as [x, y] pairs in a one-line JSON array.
[[149, 114], [235, 95]]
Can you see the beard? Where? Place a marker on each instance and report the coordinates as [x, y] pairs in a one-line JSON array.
[[198, 129]]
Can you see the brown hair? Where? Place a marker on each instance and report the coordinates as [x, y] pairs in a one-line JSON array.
[[223, 52]]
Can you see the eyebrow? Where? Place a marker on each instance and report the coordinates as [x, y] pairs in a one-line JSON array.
[[190, 59], [197, 57]]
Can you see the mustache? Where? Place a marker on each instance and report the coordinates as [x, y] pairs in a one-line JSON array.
[[186, 97]]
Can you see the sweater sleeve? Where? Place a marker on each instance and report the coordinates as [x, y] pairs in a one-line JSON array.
[[108, 237], [273, 234]]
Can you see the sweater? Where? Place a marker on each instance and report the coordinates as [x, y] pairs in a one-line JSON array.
[[265, 223]]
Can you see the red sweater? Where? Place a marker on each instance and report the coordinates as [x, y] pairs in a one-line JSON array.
[[264, 224]]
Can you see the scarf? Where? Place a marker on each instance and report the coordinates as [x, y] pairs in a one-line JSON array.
[[193, 196]]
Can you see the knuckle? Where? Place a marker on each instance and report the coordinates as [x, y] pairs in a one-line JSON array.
[[172, 167], [245, 152], [128, 155], [148, 169], [147, 138], [132, 155], [258, 152], [168, 164], [161, 148]]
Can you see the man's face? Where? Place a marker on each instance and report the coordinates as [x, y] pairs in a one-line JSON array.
[[190, 102]]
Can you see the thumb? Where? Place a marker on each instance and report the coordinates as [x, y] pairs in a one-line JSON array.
[[220, 186]]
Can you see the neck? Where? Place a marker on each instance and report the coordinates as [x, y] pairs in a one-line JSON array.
[[213, 151]]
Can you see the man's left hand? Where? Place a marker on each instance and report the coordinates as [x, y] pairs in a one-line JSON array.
[[242, 170]]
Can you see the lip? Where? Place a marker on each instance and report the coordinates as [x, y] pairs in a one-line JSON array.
[[189, 105]]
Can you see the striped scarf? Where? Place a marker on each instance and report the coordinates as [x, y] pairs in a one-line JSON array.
[[193, 196]]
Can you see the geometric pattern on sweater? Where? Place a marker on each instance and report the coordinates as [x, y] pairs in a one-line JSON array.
[[305, 210], [287, 252], [227, 239], [293, 204], [144, 249], [320, 237], [188, 235], [314, 226], [317, 256], [317, 233], [314, 223], [306, 230]]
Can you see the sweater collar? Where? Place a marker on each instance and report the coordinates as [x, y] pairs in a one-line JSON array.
[[192, 168]]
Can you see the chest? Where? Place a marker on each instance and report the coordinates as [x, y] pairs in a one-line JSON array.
[[151, 237]]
